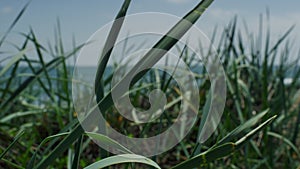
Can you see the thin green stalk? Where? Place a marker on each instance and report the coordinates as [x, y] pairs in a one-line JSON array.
[[18, 136]]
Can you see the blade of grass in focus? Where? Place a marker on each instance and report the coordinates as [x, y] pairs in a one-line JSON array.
[[124, 158], [108, 48], [106, 52]]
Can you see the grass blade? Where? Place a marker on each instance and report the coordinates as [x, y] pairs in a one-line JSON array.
[[124, 158], [285, 140], [12, 61], [108, 141], [49, 66], [38, 49], [14, 23], [248, 136], [220, 151], [206, 157], [30, 79], [243, 128], [32, 160], [76, 158], [18, 136], [108, 48]]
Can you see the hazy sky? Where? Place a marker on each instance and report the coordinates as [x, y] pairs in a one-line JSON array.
[[82, 18]]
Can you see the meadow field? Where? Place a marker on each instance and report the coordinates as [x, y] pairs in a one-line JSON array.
[[259, 127]]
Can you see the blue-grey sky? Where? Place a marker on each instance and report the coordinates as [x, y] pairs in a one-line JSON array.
[[83, 18]]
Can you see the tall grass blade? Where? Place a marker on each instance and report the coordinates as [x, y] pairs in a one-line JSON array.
[[78, 148], [108, 48], [165, 43], [38, 49], [14, 23]]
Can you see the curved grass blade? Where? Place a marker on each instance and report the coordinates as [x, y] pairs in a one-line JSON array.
[[12, 61], [285, 140], [242, 129], [32, 160], [108, 141], [108, 48], [124, 158], [222, 150], [106, 52], [165, 44], [19, 114], [14, 70], [18, 136]]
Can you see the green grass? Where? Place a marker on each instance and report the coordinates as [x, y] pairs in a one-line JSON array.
[[259, 127]]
